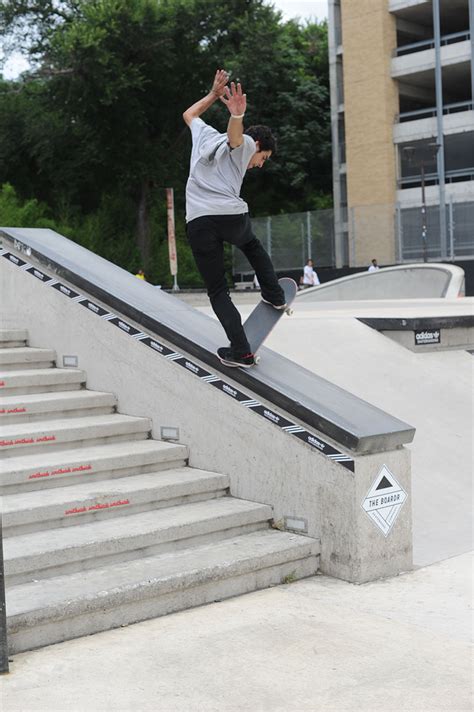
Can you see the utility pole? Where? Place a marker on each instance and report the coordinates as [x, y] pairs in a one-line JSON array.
[[410, 152], [440, 130]]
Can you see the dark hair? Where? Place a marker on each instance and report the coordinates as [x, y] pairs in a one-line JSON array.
[[264, 136]]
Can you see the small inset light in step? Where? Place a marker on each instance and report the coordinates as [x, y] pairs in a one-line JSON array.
[[169, 433], [296, 525], [70, 361]]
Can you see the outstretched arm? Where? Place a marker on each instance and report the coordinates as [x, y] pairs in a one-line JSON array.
[[236, 103], [217, 91]]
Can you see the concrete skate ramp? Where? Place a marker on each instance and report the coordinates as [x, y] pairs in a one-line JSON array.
[[434, 391], [401, 282], [348, 420]]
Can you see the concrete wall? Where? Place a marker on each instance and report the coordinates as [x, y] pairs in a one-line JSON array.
[[403, 282], [264, 463]]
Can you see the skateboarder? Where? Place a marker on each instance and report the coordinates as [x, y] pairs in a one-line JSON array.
[[215, 212]]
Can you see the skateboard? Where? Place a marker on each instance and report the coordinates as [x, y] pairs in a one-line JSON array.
[[263, 318]]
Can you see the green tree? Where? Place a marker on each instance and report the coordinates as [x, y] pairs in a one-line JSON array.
[[98, 119]]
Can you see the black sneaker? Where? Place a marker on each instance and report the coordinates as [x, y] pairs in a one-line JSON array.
[[279, 305], [228, 357]]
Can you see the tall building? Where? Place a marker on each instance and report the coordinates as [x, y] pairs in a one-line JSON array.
[[402, 115]]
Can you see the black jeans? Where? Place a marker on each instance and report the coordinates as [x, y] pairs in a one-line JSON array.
[[206, 236]]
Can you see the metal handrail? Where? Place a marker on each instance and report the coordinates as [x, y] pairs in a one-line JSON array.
[[430, 43], [429, 112], [3, 615]]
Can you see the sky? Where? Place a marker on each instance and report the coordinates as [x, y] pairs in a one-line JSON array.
[[305, 9]]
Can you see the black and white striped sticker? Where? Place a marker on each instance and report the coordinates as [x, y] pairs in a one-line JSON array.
[[205, 376]]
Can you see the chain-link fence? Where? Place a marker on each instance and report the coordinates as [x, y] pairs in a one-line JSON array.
[[291, 239], [414, 244]]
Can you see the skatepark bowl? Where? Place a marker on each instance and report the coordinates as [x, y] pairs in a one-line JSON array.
[[410, 281]]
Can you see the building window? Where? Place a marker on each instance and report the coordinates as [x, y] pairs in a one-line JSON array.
[[416, 157], [341, 137], [459, 156]]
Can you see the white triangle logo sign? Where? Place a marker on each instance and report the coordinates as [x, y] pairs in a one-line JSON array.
[[384, 500]]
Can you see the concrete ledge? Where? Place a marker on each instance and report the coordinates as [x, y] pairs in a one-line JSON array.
[[426, 334], [387, 323], [331, 410]]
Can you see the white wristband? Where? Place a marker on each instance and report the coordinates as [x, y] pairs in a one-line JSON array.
[[235, 116]]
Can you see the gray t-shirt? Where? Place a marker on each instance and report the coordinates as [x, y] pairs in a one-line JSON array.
[[216, 173]]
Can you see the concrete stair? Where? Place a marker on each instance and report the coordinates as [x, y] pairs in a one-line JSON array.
[[64, 607], [19, 439], [104, 526], [65, 404], [100, 462], [46, 509], [56, 551], [23, 357], [13, 338], [40, 381]]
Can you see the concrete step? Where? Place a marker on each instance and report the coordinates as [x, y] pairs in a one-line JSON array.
[[20, 439], [59, 551], [41, 380], [13, 338], [89, 464], [69, 606], [93, 501], [63, 404], [22, 357]]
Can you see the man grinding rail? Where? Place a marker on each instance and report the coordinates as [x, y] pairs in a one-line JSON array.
[[215, 212]]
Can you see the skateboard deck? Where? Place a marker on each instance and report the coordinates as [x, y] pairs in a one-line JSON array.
[[263, 318]]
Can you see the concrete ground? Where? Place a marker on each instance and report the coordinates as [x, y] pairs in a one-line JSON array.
[[398, 645]]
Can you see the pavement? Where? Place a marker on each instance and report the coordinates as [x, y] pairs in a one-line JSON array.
[[396, 645]]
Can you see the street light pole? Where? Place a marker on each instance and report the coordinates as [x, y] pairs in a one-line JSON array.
[[424, 229], [410, 152]]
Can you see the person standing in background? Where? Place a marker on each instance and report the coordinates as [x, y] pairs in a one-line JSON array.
[[374, 266]]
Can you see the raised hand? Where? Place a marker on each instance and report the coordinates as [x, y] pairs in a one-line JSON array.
[[220, 80], [234, 99]]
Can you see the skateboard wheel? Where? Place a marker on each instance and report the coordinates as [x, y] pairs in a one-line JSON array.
[[289, 311], [257, 360]]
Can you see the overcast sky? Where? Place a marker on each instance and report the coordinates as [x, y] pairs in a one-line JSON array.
[[305, 9]]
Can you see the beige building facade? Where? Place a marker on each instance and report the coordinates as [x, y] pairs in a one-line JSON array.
[[403, 129]]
